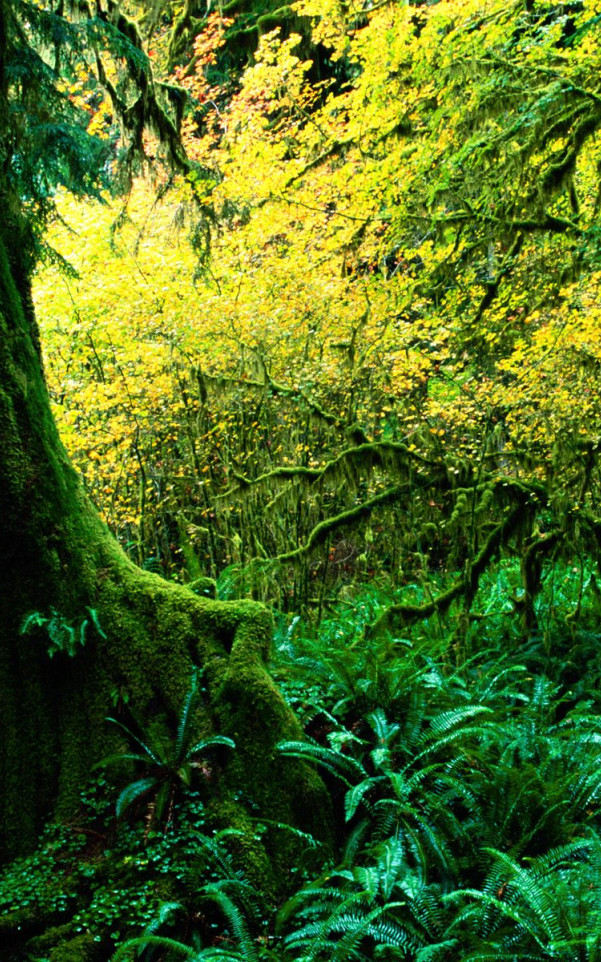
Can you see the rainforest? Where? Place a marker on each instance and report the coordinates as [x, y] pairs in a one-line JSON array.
[[300, 480]]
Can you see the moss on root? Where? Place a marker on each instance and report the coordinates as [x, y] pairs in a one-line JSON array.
[[82, 948], [156, 634], [58, 944]]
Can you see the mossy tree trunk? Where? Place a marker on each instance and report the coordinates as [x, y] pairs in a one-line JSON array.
[[55, 553]]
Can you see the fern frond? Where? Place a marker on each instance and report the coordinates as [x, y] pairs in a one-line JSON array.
[[166, 910], [315, 937], [436, 952], [234, 917], [133, 791], [354, 840], [312, 899], [368, 878], [94, 618], [524, 886], [311, 841], [384, 730], [206, 743], [341, 766], [445, 721], [183, 722], [142, 941], [356, 795], [387, 933], [239, 891], [212, 849], [391, 863], [561, 855], [504, 909], [120, 757], [153, 753]]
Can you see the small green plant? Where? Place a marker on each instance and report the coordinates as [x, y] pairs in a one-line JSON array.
[[64, 636], [227, 907], [37, 883], [166, 764]]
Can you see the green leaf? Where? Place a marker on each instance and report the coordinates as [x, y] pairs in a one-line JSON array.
[[133, 791]]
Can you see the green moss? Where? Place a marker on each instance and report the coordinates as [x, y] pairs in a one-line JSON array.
[[42, 944], [247, 849], [205, 587], [56, 553], [156, 633], [82, 948], [252, 711]]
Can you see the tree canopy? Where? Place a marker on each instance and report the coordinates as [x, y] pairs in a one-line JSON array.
[[397, 328]]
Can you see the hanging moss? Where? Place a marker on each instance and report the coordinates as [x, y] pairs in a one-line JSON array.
[[404, 614], [392, 455]]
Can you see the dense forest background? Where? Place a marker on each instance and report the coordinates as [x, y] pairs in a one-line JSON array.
[[381, 341], [334, 348]]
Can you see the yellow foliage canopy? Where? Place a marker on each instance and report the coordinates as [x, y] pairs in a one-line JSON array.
[[405, 250]]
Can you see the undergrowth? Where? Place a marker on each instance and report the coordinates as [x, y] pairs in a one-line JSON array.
[[464, 765]]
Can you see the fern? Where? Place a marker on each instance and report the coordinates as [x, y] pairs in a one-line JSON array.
[[344, 930], [63, 636], [216, 892], [168, 763], [142, 941], [534, 908], [341, 766], [212, 851], [132, 792]]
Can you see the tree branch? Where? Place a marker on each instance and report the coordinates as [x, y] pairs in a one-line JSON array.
[[322, 530], [370, 450], [404, 615]]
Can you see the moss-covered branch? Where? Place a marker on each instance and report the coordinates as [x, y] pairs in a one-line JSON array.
[[519, 490], [367, 454], [405, 614], [266, 21], [322, 531]]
